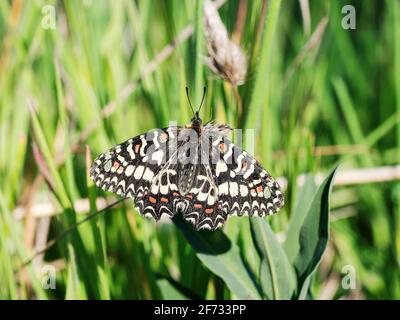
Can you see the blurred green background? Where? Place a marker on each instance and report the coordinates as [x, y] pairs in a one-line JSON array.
[[317, 94]]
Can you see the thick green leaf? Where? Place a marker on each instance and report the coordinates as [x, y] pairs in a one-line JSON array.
[[169, 291], [305, 293], [277, 275], [314, 234], [222, 257], [292, 244]]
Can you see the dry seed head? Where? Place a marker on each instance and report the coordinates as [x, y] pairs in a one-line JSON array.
[[225, 57]]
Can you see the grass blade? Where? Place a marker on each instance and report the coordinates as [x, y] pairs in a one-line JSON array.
[[260, 94], [277, 275]]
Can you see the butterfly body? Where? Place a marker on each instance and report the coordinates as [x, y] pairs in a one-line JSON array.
[[196, 124], [193, 170]]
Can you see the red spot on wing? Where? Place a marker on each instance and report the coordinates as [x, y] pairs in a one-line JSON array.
[[137, 148], [164, 137], [152, 199], [116, 164]]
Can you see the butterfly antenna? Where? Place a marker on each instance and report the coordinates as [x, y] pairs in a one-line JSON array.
[[202, 99], [190, 103]]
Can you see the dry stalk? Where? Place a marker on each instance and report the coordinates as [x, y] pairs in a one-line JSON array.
[[225, 57]]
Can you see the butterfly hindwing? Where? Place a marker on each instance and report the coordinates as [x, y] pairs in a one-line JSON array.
[[162, 196], [203, 210]]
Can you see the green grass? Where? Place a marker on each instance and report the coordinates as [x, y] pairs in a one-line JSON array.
[[345, 90]]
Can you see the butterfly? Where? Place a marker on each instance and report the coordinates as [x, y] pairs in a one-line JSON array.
[[193, 170]]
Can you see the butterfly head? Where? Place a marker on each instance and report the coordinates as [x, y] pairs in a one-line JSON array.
[[196, 122]]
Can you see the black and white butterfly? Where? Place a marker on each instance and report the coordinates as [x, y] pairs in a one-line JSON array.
[[193, 170]]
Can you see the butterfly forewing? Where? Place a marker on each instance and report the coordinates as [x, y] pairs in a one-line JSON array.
[[128, 169]]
